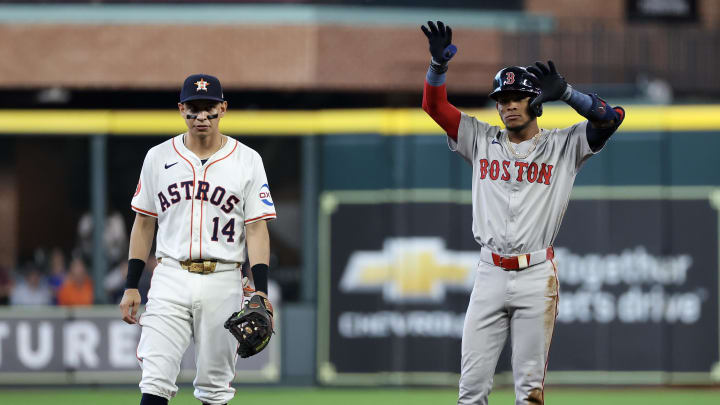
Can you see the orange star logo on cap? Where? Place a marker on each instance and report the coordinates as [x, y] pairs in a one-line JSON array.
[[201, 85]]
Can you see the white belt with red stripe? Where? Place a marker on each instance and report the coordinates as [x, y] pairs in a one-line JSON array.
[[516, 262]]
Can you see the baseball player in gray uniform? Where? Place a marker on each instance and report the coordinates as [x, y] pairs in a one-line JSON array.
[[521, 183]]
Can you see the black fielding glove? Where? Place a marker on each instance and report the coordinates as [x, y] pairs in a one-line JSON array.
[[552, 84], [253, 326], [441, 48]]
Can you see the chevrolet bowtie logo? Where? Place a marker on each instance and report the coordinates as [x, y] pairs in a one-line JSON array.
[[410, 269]]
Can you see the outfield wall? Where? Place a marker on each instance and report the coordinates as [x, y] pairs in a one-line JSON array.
[[638, 249], [637, 252]]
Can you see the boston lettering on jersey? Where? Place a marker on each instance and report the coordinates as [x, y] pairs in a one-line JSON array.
[[177, 192], [530, 172]]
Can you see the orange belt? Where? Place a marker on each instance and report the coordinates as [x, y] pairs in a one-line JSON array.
[[522, 261]]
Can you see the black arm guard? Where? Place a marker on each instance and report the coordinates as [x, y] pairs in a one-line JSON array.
[[598, 132], [600, 112]]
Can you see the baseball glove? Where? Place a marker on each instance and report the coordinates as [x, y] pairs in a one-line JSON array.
[[252, 326]]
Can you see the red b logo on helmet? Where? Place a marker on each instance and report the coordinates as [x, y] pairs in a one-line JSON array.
[[509, 78]]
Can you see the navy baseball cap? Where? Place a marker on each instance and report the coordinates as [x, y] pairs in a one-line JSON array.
[[201, 87]]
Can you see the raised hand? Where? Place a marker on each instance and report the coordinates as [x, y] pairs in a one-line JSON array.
[[440, 38], [552, 84]]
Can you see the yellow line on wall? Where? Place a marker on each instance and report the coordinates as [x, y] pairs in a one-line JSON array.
[[384, 121]]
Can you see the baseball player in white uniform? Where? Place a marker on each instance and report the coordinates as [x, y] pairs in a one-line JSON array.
[[209, 195], [521, 183]]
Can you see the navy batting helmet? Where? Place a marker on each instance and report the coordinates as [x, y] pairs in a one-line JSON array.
[[517, 78]]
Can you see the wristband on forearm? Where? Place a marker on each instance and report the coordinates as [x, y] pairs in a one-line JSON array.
[[433, 78], [260, 277], [135, 269], [438, 67], [591, 107], [581, 102]]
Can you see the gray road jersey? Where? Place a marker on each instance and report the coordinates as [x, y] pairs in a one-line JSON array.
[[518, 204]]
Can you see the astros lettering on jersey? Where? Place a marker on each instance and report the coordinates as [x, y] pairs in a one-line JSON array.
[[201, 209]]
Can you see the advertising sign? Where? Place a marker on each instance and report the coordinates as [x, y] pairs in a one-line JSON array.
[[638, 277], [52, 345], [669, 11]]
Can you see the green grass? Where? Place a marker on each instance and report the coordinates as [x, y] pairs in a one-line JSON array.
[[319, 396]]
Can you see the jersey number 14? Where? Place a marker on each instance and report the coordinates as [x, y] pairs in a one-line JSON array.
[[227, 230]]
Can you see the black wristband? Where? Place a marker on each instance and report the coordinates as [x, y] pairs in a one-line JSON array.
[[260, 277], [135, 269], [438, 68]]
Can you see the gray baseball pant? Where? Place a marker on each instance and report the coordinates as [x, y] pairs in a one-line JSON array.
[[523, 303]]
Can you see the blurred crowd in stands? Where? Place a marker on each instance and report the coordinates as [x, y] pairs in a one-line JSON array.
[[57, 277]]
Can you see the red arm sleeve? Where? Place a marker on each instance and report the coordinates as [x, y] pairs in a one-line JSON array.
[[436, 104]]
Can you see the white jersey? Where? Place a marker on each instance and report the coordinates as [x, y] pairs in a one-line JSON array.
[[518, 204], [201, 209]]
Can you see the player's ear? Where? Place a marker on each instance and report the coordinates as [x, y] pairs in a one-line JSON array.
[[181, 108], [223, 108]]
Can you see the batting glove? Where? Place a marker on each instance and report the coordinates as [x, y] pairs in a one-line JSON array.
[[552, 84], [441, 48], [248, 291]]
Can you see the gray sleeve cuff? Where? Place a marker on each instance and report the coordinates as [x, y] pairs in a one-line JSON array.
[[581, 102]]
